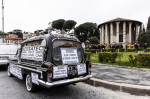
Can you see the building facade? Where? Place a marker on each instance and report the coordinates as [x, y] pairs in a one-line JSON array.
[[12, 38], [1, 39], [119, 30], [28, 35]]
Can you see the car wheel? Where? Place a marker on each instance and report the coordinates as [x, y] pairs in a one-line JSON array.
[[8, 72], [29, 85]]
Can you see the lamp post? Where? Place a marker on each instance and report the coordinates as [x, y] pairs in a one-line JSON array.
[[3, 20]]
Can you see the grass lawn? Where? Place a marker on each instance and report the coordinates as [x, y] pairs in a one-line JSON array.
[[124, 59]]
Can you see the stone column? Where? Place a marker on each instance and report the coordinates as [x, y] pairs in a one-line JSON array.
[[124, 32], [117, 32], [111, 33], [103, 34], [130, 32], [137, 31], [106, 33]]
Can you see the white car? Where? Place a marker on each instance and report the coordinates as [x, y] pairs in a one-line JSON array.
[[7, 51]]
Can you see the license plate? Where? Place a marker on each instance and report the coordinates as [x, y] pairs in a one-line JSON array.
[[72, 71], [3, 58]]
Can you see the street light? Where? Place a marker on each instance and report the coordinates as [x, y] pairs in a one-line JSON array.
[[3, 20]]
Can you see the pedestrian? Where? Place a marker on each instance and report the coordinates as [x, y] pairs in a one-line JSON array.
[[145, 47], [136, 47], [99, 47], [126, 48]]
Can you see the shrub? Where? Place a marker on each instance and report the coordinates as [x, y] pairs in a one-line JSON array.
[[132, 60], [141, 49], [111, 50], [121, 50], [144, 59], [148, 49], [130, 50], [113, 57], [93, 50], [107, 57], [98, 50], [87, 55], [87, 50], [103, 57]]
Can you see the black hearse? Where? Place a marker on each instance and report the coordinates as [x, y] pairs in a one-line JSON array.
[[50, 60]]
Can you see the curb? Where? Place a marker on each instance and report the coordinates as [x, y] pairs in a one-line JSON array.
[[144, 69], [133, 89]]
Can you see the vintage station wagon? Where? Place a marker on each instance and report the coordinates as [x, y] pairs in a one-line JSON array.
[[50, 60]]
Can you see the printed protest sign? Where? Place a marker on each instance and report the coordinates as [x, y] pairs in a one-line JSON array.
[[60, 72], [32, 53], [69, 55]]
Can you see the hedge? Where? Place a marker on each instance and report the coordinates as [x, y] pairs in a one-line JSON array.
[[131, 50], [148, 49], [106, 57], [144, 60], [114, 50], [87, 55]]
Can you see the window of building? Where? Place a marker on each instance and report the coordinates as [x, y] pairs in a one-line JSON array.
[[121, 38]]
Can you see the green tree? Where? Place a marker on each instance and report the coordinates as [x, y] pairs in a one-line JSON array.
[[148, 24], [85, 30], [58, 24], [1, 33], [93, 40], [61, 24], [69, 24], [144, 37]]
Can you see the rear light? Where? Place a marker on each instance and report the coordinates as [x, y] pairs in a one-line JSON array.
[[90, 64], [50, 71], [50, 79]]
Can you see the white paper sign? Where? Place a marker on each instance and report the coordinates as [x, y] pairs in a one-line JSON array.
[[60, 72], [81, 69], [34, 77], [16, 71], [69, 55], [32, 53]]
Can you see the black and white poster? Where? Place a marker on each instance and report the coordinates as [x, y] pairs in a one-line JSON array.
[[32, 53], [81, 69], [69, 55], [60, 72]]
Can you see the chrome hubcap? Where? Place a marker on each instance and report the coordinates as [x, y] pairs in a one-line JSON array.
[[28, 83], [8, 71]]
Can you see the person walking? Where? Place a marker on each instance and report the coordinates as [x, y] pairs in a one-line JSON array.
[[145, 47], [136, 47]]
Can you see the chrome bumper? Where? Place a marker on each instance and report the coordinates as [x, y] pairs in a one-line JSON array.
[[4, 63], [61, 82]]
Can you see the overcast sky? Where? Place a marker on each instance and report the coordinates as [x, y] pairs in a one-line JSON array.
[[30, 15]]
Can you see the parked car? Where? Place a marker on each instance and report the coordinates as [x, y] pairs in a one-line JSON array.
[[50, 60], [7, 51]]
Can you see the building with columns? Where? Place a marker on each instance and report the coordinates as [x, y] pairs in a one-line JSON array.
[[119, 30]]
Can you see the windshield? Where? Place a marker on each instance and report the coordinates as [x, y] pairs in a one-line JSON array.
[[67, 52]]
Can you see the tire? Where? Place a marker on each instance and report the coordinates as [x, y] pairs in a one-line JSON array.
[[8, 71], [29, 85]]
